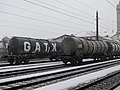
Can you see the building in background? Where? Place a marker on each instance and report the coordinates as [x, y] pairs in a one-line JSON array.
[[118, 18], [4, 46], [117, 35], [60, 38]]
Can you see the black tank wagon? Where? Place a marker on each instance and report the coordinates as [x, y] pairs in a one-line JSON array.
[[75, 49], [21, 49]]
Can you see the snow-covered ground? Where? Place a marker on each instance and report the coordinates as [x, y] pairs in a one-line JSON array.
[[29, 66], [45, 73], [118, 88], [79, 80]]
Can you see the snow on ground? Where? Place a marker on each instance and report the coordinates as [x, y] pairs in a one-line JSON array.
[[79, 80], [21, 67], [28, 65], [118, 88], [47, 72]]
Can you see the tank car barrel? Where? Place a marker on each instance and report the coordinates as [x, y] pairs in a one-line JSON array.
[[75, 49], [21, 49]]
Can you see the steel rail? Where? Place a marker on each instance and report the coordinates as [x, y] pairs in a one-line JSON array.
[[41, 78]]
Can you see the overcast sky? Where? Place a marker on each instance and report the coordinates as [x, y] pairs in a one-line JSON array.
[[53, 18]]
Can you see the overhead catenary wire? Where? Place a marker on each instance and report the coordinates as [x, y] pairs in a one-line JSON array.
[[74, 8], [44, 14], [40, 13], [37, 24], [29, 29], [38, 20], [63, 9], [85, 5], [107, 18], [111, 4], [108, 21], [37, 12], [18, 27], [104, 26], [59, 11], [49, 21]]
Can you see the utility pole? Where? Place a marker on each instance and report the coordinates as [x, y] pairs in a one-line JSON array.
[[97, 35]]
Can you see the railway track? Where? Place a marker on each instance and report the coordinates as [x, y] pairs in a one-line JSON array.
[[31, 62], [29, 65], [28, 69], [36, 80], [108, 82]]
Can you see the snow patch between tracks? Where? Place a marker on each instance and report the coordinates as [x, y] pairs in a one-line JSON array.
[[64, 85]]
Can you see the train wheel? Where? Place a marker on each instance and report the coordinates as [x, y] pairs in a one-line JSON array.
[[51, 59], [11, 61], [79, 61], [57, 59], [103, 58], [74, 62], [26, 61], [18, 61], [64, 61], [111, 57], [94, 59]]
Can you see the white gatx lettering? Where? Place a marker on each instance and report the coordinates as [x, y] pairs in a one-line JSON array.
[[46, 47], [37, 48], [54, 47], [27, 46]]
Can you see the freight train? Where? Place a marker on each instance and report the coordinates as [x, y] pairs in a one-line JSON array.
[[21, 49], [76, 49], [72, 49]]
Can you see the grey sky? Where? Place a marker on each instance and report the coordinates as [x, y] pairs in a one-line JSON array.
[[56, 17]]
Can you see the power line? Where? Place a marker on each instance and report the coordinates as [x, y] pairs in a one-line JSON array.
[[25, 28], [8, 26], [38, 20], [39, 13], [42, 20], [106, 25], [62, 9], [37, 25], [103, 26], [66, 5], [109, 18], [85, 5], [111, 4], [50, 22], [59, 12], [73, 8], [108, 21]]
